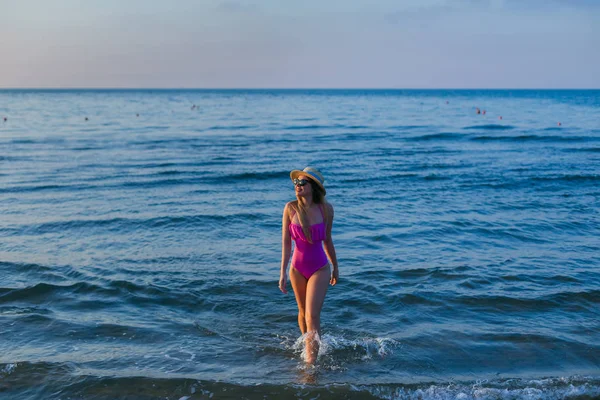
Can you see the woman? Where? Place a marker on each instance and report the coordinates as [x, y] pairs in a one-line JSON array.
[[308, 222]]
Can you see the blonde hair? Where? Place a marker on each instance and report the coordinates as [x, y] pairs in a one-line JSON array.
[[318, 197]]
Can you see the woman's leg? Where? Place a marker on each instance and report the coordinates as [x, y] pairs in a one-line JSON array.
[[299, 285], [316, 289]]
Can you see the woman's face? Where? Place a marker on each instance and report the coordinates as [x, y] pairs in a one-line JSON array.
[[306, 190]]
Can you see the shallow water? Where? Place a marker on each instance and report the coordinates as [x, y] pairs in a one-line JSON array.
[[140, 253]]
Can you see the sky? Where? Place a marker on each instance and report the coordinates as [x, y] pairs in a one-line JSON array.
[[300, 44]]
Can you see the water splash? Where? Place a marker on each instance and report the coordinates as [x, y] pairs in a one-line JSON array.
[[300, 345], [7, 370], [338, 349]]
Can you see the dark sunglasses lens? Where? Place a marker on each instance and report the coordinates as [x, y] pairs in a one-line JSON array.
[[300, 182]]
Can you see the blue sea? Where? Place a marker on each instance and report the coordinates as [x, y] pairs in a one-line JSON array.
[[140, 243]]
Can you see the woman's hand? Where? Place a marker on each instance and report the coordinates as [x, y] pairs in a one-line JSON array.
[[282, 284], [335, 274]]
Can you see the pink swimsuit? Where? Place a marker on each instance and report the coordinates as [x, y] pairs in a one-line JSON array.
[[309, 257]]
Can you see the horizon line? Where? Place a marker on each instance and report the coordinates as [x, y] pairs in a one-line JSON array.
[[283, 88]]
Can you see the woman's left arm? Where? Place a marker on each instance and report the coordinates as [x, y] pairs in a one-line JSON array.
[[330, 248]]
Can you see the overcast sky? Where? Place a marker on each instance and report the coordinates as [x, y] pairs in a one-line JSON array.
[[300, 44]]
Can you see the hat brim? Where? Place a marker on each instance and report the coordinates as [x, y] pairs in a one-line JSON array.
[[296, 173]]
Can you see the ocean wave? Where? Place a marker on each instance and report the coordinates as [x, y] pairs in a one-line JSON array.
[[436, 177], [157, 183], [571, 178], [583, 149], [252, 176], [23, 141], [559, 388], [308, 127], [30, 268], [416, 274], [15, 311], [490, 127], [42, 187], [122, 225], [157, 127], [25, 380], [356, 127], [437, 136], [44, 273], [404, 175], [408, 127], [172, 172], [548, 280], [44, 290], [105, 294], [534, 138], [582, 301], [230, 127]]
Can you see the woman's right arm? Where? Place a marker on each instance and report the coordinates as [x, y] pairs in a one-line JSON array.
[[286, 246]]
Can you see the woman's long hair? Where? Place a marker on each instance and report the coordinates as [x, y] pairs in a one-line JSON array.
[[318, 197]]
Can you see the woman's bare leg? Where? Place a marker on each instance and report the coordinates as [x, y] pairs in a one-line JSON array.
[[299, 285], [316, 289]]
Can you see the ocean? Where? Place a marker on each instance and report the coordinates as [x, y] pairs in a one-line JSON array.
[[141, 242]]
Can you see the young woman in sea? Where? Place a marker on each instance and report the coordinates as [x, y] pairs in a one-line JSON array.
[[307, 221]]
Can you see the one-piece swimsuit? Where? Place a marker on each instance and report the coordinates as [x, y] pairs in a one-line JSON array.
[[309, 257]]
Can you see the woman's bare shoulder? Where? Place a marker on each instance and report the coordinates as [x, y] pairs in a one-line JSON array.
[[290, 206]]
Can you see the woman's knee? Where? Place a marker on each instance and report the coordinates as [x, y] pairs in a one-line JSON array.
[[312, 318]]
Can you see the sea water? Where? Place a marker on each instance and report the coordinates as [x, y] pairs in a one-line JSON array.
[[141, 242]]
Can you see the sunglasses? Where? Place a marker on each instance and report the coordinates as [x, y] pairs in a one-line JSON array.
[[300, 182]]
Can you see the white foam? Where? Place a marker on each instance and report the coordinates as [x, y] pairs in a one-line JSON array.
[[206, 393], [363, 348], [8, 369], [513, 389]]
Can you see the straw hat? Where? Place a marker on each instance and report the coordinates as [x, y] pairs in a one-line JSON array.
[[311, 173]]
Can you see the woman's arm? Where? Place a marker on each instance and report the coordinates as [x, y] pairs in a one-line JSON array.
[[330, 248], [286, 246]]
